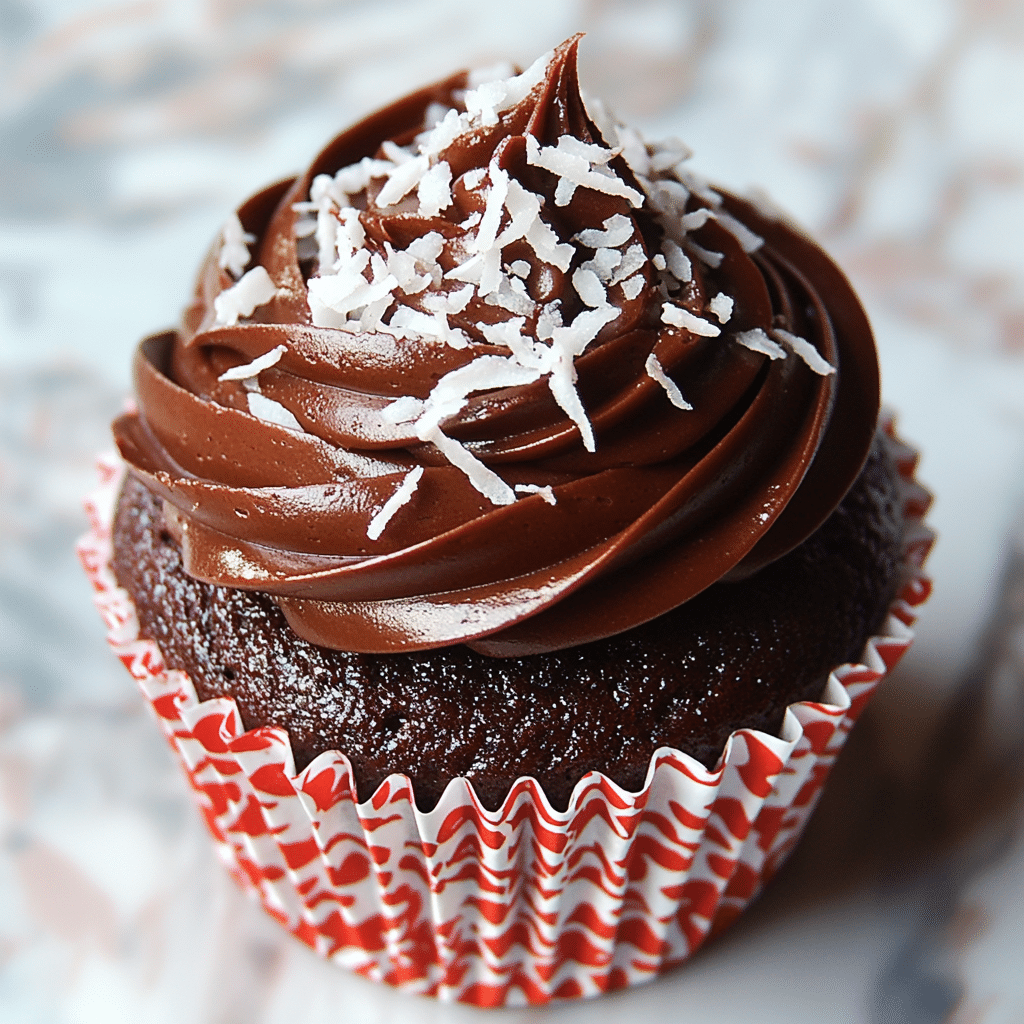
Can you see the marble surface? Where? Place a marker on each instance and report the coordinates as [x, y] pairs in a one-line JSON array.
[[889, 128]]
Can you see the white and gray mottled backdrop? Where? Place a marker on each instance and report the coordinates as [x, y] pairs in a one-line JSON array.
[[892, 129]]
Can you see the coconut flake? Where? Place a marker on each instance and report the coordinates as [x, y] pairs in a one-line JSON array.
[[351, 180], [698, 185], [448, 302], [234, 249], [567, 343], [484, 479], [757, 341], [550, 317], [487, 235], [633, 261], [633, 286], [618, 229], [677, 261], [712, 259], [403, 410], [491, 73], [749, 241], [511, 295], [401, 497], [721, 305], [435, 114], [519, 87], [253, 289], [655, 372], [589, 288], [472, 179], [402, 179], [254, 368], [434, 190], [695, 220], [573, 162], [521, 268], [269, 411], [668, 153], [679, 317], [545, 492], [806, 351], [634, 149]]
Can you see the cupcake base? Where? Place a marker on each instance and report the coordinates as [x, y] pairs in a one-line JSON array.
[[520, 905]]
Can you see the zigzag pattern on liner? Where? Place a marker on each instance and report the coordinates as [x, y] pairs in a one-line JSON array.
[[525, 904]]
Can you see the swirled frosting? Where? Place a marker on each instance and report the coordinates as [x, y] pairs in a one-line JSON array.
[[488, 373]]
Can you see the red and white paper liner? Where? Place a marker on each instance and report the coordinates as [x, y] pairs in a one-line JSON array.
[[521, 905]]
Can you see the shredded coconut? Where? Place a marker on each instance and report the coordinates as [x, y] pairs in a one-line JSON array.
[[589, 288], [677, 261], [579, 165], [633, 286], [655, 372], [679, 317], [269, 411], [234, 249], [402, 179], [712, 259], [403, 410], [749, 241], [618, 229], [806, 351], [254, 368], [401, 497], [757, 341], [545, 492], [721, 305], [434, 190], [484, 479], [251, 290]]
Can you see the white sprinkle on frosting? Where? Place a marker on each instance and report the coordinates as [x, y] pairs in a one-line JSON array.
[[545, 492], [757, 341], [676, 316], [806, 351], [435, 190], [269, 411], [712, 259], [402, 496], [618, 229], [589, 288], [254, 368], [240, 300], [749, 241], [579, 165], [721, 305], [234, 247], [655, 372], [677, 261]]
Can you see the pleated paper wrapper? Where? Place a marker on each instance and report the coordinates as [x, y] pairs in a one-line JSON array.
[[525, 904]]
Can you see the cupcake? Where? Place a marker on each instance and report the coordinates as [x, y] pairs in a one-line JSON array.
[[507, 541]]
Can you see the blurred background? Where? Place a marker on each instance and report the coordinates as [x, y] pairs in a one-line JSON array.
[[892, 130]]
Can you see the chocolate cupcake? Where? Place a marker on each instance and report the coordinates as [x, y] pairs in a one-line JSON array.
[[506, 473]]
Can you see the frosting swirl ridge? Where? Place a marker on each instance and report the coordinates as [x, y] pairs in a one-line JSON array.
[[488, 373]]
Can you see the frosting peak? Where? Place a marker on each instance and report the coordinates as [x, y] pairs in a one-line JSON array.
[[490, 373]]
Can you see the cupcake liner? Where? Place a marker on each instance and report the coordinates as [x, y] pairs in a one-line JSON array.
[[521, 905]]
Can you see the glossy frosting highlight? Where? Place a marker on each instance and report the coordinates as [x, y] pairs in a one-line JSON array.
[[669, 501]]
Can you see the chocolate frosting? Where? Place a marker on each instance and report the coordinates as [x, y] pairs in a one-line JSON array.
[[670, 499]]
